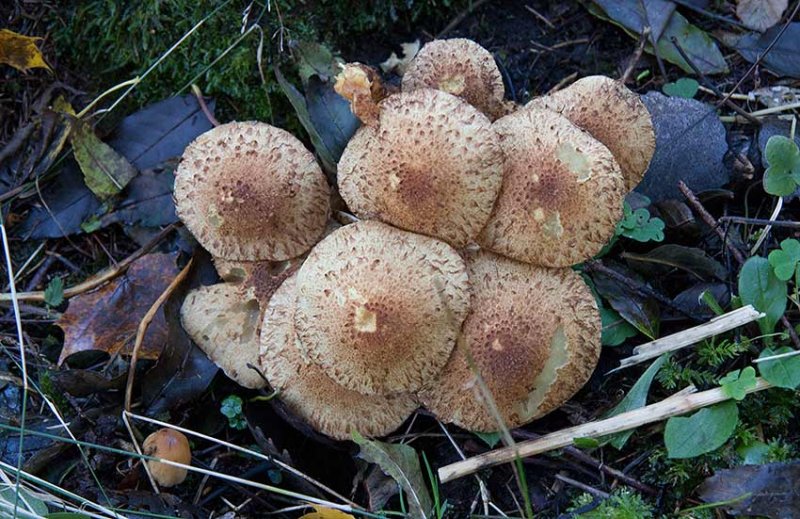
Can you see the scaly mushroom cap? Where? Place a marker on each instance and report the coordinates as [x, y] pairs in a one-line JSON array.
[[613, 115], [379, 308], [223, 321], [432, 165], [250, 191], [562, 192], [534, 337], [309, 393], [460, 67]]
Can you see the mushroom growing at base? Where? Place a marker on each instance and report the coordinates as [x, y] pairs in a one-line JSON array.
[[171, 445], [533, 336]]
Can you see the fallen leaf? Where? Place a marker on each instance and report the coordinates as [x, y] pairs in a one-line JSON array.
[[642, 312], [684, 87], [691, 300], [107, 318], [615, 328], [783, 57], [666, 257], [20, 51], [397, 64], [147, 200], [775, 95], [331, 115], [84, 382], [314, 59], [704, 431], [769, 490], [105, 171], [322, 512], [631, 15], [760, 15]]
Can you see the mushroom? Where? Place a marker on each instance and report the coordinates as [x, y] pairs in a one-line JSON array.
[[362, 86], [534, 337], [223, 320], [460, 67], [379, 309], [613, 115], [432, 166], [172, 445], [249, 191], [562, 191], [309, 393]]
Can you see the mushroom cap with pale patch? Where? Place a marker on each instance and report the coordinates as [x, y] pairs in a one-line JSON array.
[[432, 165], [224, 321], [250, 191], [534, 337], [613, 115], [309, 393], [460, 67], [562, 191], [379, 309]]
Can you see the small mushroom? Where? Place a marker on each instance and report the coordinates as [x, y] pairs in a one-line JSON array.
[[379, 309], [534, 337], [249, 191], [460, 67], [172, 445], [362, 86], [562, 191], [613, 115], [223, 320], [432, 166], [309, 393]]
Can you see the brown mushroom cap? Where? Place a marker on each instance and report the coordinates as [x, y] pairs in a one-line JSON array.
[[562, 192], [432, 166], [379, 309], [613, 115], [171, 445], [250, 191], [223, 321], [460, 67], [309, 393], [534, 337]]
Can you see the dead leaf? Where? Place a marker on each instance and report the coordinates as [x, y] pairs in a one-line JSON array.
[[760, 15], [766, 490], [105, 171], [322, 512], [20, 51], [399, 65], [106, 319]]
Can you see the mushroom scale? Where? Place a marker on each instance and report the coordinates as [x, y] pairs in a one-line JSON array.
[[309, 393], [613, 115], [432, 165], [460, 67], [534, 337], [249, 191], [562, 192], [379, 309]]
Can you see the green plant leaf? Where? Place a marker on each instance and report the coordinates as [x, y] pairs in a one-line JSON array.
[[754, 453], [784, 372], [784, 261], [7, 495], [105, 171], [586, 443], [736, 383], [758, 286], [232, 408], [695, 42], [400, 462], [615, 328], [684, 87], [54, 293], [639, 225], [491, 439], [705, 431], [783, 174], [636, 398]]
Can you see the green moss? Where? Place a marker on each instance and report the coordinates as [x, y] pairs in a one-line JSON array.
[[623, 504]]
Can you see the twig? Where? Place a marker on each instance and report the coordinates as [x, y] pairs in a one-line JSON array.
[[460, 17], [637, 55], [540, 16], [586, 488], [101, 278], [682, 339], [203, 106], [691, 6], [761, 221], [142, 329], [710, 221], [672, 406]]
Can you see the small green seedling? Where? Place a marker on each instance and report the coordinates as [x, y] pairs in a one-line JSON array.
[[783, 174], [785, 260], [736, 383], [232, 408], [54, 293], [684, 87], [639, 225]]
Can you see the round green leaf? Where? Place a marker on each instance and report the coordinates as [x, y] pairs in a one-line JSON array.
[[783, 372], [704, 431]]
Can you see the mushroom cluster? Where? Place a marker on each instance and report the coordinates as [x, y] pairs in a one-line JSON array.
[[453, 289]]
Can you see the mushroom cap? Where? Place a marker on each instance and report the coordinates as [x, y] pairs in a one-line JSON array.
[[613, 115], [562, 192], [250, 191], [171, 445], [534, 337], [309, 393], [432, 165], [223, 321], [460, 67], [379, 309]]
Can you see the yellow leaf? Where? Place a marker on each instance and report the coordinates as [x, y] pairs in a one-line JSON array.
[[327, 513], [20, 51]]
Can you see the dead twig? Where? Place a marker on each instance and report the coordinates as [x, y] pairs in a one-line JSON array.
[[460, 18], [637, 55]]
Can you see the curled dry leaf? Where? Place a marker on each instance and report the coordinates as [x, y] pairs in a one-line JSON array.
[[20, 51], [760, 15]]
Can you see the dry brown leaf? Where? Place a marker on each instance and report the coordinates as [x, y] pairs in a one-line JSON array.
[[760, 15], [20, 51], [107, 318], [322, 512]]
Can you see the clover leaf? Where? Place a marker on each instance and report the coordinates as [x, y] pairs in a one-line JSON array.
[[684, 87], [783, 174], [639, 225], [784, 261], [736, 383]]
